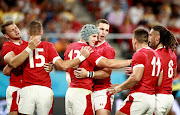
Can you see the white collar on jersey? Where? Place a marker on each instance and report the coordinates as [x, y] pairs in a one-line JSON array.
[[17, 43], [81, 42], [159, 48], [144, 47], [99, 44]]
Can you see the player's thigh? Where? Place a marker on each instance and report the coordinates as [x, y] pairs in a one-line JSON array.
[[81, 101], [143, 104], [27, 100], [102, 100], [68, 105], [44, 100], [103, 112], [138, 103], [163, 103], [12, 96]]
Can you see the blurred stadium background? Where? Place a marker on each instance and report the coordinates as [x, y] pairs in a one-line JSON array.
[[62, 20]]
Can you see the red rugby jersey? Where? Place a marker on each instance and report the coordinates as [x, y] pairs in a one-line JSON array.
[[33, 67], [149, 59], [169, 63], [107, 51], [72, 52], [16, 76]]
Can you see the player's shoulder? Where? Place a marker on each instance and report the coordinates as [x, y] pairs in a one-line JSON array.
[[7, 43], [140, 53], [108, 45]]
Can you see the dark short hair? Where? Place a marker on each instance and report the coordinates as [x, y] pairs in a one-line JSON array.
[[101, 21], [3, 26], [141, 35], [34, 28]]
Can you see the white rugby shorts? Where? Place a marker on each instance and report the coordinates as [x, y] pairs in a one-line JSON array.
[[138, 104], [102, 100], [12, 98], [35, 96], [78, 101], [164, 103]]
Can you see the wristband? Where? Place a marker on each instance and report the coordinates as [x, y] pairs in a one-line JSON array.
[[81, 58], [90, 74], [28, 49]]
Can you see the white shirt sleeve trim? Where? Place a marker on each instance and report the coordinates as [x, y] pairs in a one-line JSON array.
[[54, 59], [97, 61], [139, 65], [7, 54]]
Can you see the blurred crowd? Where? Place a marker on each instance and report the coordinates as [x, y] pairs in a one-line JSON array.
[[124, 16]]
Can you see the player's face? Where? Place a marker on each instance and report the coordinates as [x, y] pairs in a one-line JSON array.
[[134, 43], [13, 32], [153, 39], [103, 31], [93, 39]]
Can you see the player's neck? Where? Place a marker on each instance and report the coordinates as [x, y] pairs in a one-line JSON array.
[[159, 46], [141, 46], [15, 41], [82, 40], [100, 42]]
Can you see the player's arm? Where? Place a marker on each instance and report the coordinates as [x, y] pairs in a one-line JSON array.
[[113, 63], [16, 60], [66, 64], [7, 70], [100, 74], [135, 77]]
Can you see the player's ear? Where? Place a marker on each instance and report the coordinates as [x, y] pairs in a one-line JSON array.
[[6, 36], [158, 38], [135, 41]]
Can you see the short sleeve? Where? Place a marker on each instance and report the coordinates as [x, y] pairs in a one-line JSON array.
[[138, 60], [53, 55], [93, 58], [6, 48]]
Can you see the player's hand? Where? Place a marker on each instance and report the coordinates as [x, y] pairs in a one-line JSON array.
[[80, 73], [114, 89], [128, 70], [86, 51], [48, 67], [34, 42]]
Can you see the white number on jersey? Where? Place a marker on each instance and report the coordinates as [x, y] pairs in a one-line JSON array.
[[170, 70], [70, 55], [37, 56], [154, 63]]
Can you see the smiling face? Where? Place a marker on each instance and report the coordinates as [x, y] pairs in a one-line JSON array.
[[103, 31], [154, 38], [12, 32], [93, 39]]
